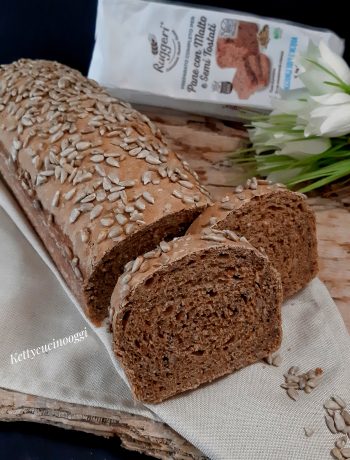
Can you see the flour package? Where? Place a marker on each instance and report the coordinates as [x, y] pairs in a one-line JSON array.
[[207, 61]]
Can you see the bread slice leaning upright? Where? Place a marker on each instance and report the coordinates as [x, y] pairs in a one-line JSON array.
[[192, 310], [93, 175], [275, 220]]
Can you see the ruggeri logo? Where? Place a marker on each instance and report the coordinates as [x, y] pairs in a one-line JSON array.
[[165, 48]]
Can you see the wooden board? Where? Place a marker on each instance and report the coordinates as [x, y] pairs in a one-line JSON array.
[[207, 145]]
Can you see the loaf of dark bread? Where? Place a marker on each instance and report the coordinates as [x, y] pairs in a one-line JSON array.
[[93, 175], [275, 220], [192, 310]]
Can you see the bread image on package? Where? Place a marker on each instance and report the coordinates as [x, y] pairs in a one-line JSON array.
[[192, 310], [242, 53], [92, 174], [274, 220]]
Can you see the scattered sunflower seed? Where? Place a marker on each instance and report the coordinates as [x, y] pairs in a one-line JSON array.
[[309, 432], [337, 454], [339, 421], [293, 393], [330, 424], [345, 452]]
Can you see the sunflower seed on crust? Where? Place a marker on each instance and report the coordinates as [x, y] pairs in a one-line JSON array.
[[164, 246], [74, 215], [146, 177], [136, 264], [148, 197], [68, 195], [55, 199], [113, 162], [85, 235], [227, 206], [115, 231], [102, 235], [96, 211], [129, 228], [107, 222], [80, 146]]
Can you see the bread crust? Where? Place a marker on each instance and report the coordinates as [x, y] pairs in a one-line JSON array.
[[301, 258], [91, 173]]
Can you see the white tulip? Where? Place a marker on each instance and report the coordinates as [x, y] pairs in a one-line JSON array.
[[303, 121], [329, 115], [322, 66]]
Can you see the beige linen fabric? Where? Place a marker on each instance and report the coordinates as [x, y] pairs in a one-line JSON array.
[[245, 415]]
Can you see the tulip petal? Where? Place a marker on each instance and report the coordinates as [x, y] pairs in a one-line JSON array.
[[337, 123], [335, 63], [307, 146], [332, 99]]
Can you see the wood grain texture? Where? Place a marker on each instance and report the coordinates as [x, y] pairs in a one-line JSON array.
[[207, 145]]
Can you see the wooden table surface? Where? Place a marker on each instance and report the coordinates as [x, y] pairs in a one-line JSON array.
[[207, 145]]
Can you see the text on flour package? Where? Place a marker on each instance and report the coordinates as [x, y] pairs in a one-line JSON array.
[[199, 60]]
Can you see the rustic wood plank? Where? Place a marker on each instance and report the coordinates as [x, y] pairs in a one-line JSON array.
[[207, 145]]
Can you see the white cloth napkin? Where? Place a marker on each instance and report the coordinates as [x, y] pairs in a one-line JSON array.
[[245, 415]]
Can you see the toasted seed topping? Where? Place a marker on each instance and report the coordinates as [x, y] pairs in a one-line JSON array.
[[97, 158], [107, 222], [115, 231], [102, 235], [113, 162], [211, 237], [113, 196], [121, 219], [74, 215], [177, 194], [96, 211], [146, 177], [129, 228], [227, 206], [186, 184], [55, 199], [136, 264], [148, 197], [152, 160], [81, 146], [77, 273], [100, 170], [164, 246], [85, 235], [89, 198]]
